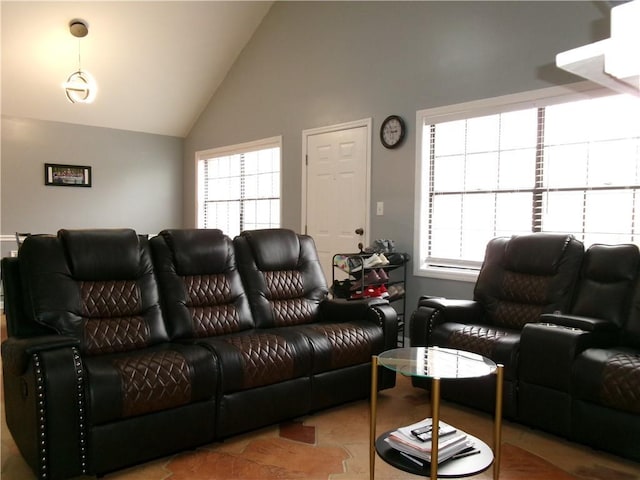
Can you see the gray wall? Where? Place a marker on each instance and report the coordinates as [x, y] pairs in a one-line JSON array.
[[137, 179], [312, 64]]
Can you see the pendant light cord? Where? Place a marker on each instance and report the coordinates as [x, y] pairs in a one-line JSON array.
[[79, 63]]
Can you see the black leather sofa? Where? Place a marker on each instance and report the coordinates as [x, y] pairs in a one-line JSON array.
[[565, 323], [123, 349], [580, 370]]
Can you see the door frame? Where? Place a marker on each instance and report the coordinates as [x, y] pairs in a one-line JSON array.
[[365, 122]]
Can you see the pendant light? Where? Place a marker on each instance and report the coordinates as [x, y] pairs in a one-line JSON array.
[[80, 87]]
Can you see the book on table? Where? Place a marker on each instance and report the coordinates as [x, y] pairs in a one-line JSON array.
[[415, 440]]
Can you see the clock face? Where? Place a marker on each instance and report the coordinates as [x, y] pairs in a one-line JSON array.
[[392, 131]]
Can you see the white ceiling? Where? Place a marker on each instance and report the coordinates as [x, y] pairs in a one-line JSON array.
[[157, 64]]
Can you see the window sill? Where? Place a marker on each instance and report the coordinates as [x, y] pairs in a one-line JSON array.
[[445, 273]]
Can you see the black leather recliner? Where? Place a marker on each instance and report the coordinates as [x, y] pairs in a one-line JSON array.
[[104, 388], [287, 290], [605, 386], [521, 278], [575, 363], [548, 350], [580, 371]]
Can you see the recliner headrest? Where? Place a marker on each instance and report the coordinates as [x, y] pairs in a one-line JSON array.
[[538, 253], [274, 249], [102, 254], [611, 263], [198, 251]]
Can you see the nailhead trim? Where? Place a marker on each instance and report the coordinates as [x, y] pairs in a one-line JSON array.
[[432, 321], [42, 419], [42, 432], [81, 409]]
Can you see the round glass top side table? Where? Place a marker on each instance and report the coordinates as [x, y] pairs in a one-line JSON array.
[[437, 363]]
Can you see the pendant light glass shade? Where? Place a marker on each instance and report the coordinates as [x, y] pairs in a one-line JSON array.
[[80, 87]]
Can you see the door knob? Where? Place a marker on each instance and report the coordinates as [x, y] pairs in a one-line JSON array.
[[359, 231]]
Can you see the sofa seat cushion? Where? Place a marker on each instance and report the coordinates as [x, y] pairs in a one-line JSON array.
[[166, 376], [609, 377], [257, 358], [499, 344], [339, 345]]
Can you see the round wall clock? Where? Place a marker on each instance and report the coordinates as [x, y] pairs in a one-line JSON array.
[[392, 131]]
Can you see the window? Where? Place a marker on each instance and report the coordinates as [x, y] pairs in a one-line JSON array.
[[239, 187], [509, 166]]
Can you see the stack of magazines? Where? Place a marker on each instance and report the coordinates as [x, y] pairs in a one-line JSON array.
[[414, 442]]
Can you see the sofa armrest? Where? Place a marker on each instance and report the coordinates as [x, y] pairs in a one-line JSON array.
[[583, 323], [17, 352], [452, 310], [45, 403], [548, 350], [433, 311], [342, 310], [387, 317]]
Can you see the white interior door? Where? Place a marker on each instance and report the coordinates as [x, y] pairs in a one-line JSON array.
[[337, 189]]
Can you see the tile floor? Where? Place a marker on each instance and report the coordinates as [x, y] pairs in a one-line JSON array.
[[333, 445]]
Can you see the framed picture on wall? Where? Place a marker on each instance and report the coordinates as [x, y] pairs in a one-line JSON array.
[[67, 175]]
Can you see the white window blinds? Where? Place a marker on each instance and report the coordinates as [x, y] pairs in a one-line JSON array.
[[240, 189], [570, 167]]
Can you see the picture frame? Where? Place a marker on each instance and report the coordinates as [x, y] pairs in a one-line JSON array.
[[63, 175]]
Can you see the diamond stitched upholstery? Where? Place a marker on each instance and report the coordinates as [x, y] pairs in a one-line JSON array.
[[110, 298], [292, 312], [110, 335], [621, 383], [154, 381], [284, 285], [268, 358], [215, 320], [516, 315], [350, 345], [524, 298], [525, 288], [207, 290], [285, 292], [111, 309], [475, 339], [208, 301]]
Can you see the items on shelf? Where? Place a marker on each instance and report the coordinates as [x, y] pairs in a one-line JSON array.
[[354, 263], [382, 246], [414, 441], [370, 274], [367, 270]]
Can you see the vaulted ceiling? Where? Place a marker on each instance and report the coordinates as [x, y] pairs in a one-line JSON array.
[[157, 64]]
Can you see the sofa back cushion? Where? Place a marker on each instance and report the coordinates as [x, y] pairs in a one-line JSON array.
[[607, 280], [201, 289], [96, 285], [527, 275], [282, 275]]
